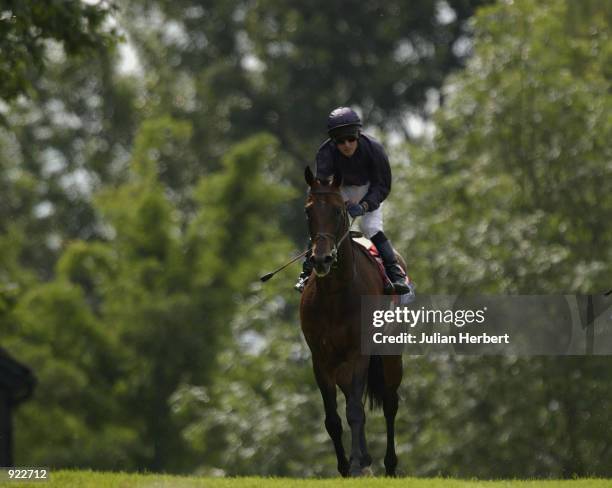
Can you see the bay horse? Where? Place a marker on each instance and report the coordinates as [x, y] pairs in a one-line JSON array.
[[330, 314]]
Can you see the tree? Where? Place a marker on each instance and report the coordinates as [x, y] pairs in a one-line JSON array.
[[516, 181], [234, 68], [59, 148], [77, 368], [510, 196], [162, 287], [27, 27]]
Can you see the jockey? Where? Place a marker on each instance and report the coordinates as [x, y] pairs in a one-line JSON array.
[[366, 183]]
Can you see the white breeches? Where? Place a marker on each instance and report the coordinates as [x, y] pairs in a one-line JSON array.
[[371, 222]]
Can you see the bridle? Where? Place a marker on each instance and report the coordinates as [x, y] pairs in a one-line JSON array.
[[333, 237], [327, 235]]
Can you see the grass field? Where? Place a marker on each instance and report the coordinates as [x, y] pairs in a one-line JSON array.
[[74, 479]]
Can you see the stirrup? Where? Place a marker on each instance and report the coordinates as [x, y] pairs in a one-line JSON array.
[[388, 288], [398, 278], [301, 283], [401, 287]]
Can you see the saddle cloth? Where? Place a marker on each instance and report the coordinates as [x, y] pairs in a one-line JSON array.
[[370, 249]]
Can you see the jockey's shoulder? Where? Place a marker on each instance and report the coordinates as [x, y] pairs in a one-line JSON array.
[[374, 144], [327, 144], [371, 139]]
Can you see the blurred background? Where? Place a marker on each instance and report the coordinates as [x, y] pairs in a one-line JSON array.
[[151, 162]]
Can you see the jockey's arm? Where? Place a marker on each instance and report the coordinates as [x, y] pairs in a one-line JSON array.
[[380, 180]]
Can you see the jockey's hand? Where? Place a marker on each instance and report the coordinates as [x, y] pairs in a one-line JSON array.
[[355, 209]]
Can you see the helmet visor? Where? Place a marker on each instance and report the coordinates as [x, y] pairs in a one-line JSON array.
[[343, 132]]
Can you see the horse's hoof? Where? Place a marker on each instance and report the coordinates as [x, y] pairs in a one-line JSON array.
[[394, 473]]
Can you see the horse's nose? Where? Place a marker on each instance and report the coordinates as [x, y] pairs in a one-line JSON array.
[[326, 259], [322, 264]]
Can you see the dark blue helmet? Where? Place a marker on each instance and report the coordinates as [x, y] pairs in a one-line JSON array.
[[342, 117]]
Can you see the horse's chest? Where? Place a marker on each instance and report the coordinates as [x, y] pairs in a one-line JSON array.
[[335, 333], [335, 339]]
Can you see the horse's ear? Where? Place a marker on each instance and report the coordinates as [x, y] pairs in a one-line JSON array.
[[337, 181], [308, 176]]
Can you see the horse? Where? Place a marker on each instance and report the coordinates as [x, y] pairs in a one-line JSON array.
[[330, 313]]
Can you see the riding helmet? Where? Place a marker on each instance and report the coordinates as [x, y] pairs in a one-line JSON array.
[[343, 119]]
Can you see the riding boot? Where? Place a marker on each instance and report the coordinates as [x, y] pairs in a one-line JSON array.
[[392, 267], [307, 267]]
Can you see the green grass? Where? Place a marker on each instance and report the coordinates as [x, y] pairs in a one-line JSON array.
[[70, 479]]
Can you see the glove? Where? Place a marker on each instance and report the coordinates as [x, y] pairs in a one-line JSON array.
[[356, 209]]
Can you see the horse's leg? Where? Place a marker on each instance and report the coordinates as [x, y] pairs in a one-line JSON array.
[[392, 367], [366, 459], [333, 423], [355, 414]]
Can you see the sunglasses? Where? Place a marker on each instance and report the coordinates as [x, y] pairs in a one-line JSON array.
[[341, 140]]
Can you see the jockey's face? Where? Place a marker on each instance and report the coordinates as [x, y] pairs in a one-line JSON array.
[[347, 145]]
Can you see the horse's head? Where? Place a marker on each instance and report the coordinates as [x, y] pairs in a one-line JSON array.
[[327, 220]]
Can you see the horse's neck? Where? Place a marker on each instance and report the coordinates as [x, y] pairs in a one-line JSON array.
[[346, 259]]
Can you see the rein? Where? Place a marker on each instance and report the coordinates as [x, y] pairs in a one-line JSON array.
[[347, 232]]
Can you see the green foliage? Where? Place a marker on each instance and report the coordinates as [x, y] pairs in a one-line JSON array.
[[138, 211], [76, 369], [227, 229], [154, 296], [58, 149], [517, 182], [160, 150], [26, 26], [512, 196], [236, 68]]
